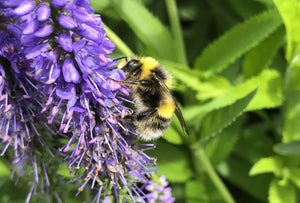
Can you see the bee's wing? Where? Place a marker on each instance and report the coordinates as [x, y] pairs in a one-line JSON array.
[[177, 109]]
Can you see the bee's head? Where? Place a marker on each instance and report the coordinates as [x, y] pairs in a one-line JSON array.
[[131, 67]]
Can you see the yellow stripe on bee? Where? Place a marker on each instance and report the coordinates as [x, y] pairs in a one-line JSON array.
[[166, 110], [148, 65]]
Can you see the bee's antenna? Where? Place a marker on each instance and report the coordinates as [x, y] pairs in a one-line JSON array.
[[123, 57]]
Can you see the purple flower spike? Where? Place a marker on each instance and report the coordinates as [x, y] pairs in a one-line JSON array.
[[43, 12], [57, 84], [67, 22], [69, 71]]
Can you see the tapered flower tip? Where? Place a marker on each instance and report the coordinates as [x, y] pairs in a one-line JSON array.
[[31, 27], [43, 12], [58, 3], [70, 72], [36, 51], [67, 22], [90, 32], [44, 31], [9, 3], [85, 4], [65, 41], [81, 15], [24, 8]]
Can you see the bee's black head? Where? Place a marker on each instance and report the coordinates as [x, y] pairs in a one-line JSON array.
[[132, 67]]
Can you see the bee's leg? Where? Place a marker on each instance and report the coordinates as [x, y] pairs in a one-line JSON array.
[[139, 117], [146, 82], [128, 82], [129, 118], [125, 82]]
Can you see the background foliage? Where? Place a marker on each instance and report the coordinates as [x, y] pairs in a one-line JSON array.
[[236, 66]]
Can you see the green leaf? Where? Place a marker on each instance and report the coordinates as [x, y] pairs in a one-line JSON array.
[[246, 8], [269, 94], [4, 170], [288, 148], [267, 165], [292, 76], [173, 161], [225, 99], [225, 50], [281, 193], [172, 136], [260, 57], [235, 170], [291, 117], [294, 175], [148, 28], [218, 119], [205, 88], [290, 12], [64, 171], [219, 148], [176, 30], [195, 192]]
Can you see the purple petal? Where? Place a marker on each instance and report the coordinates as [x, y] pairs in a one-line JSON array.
[[44, 31], [118, 75], [67, 21], [24, 8], [69, 71], [58, 3], [31, 27], [81, 15], [55, 72], [89, 32], [36, 51], [77, 46], [65, 41], [108, 46], [29, 40], [9, 3], [67, 92], [85, 4], [163, 181], [43, 12]]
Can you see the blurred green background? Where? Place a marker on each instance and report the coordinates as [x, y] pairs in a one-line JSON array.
[[236, 67]]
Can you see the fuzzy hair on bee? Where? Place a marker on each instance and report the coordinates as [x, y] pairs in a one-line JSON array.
[[154, 103]]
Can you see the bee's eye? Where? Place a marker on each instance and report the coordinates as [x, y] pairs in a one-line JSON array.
[[132, 67], [133, 63]]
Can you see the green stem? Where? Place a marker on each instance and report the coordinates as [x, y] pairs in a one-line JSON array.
[[119, 43], [176, 30], [200, 154]]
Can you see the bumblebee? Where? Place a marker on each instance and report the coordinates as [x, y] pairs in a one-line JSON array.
[[154, 103]]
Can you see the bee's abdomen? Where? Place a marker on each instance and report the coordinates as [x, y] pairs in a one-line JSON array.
[[160, 123], [154, 129], [166, 110]]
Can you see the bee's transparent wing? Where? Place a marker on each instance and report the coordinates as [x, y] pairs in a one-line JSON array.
[[177, 109]]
